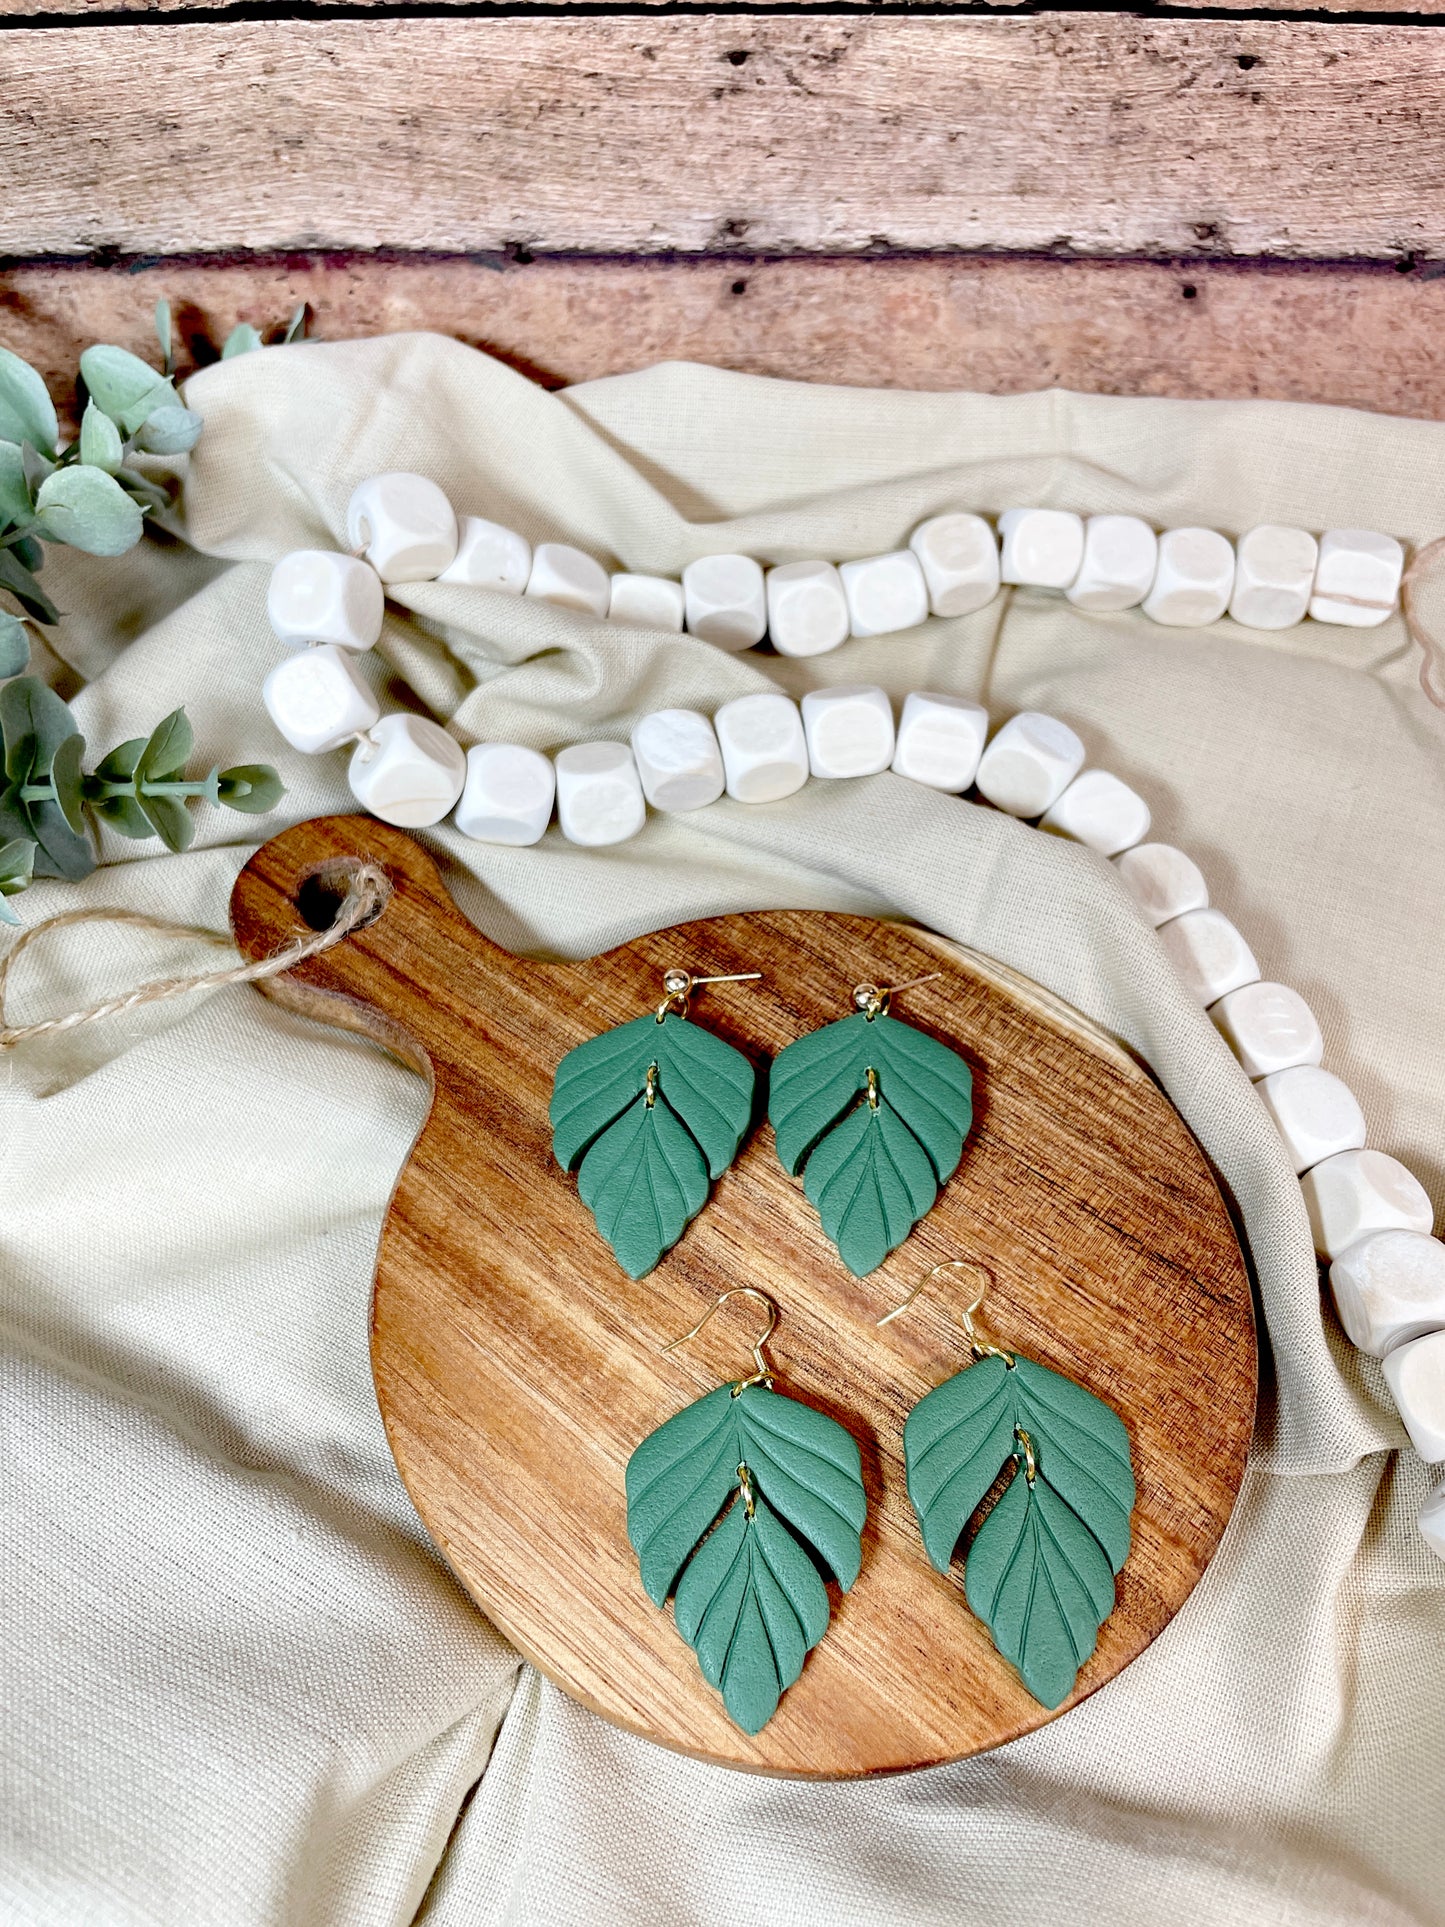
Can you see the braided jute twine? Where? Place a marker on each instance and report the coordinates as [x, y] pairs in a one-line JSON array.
[[367, 894]]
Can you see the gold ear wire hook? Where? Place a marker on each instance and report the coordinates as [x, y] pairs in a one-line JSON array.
[[874, 999], [680, 984], [762, 1376], [970, 1331]]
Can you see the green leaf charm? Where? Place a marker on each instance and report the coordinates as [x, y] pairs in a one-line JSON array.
[[875, 1114], [749, 1598], [1040, 1570], [647, 1114]]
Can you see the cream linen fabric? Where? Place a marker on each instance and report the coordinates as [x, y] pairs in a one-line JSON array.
[[238, 1685]]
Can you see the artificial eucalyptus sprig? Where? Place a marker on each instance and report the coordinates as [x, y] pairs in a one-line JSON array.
[[140, 789], [89, 494]]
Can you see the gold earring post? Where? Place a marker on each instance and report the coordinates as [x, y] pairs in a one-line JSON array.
[[762, 1376], [874, 999], [680, 984], [970, 1331]]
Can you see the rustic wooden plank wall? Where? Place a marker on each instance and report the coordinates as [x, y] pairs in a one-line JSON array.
[[1191, 199]]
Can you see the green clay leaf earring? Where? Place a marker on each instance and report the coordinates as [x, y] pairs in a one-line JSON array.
[[1040, 1571], [732, 1505], [648, 1115], [874, 1113]]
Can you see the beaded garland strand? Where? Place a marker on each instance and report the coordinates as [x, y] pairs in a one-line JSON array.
[[1371, 1218]]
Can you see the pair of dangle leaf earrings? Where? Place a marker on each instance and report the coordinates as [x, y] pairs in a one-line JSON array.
[[872, 1111], [741, 1503]]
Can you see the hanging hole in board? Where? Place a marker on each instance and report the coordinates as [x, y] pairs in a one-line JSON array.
[[322, 894]]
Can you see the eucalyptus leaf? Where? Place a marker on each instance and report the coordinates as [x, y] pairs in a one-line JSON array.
[[36, 465], [16, 508], [59, 851], [165, 335], [14, 645], [121, 764], [89, 510], [125, 815], [172, 430], [145, 491], [164, 757], [66, 781], [252, 788], [169, 818], [27, 413], [127, 388], [30, 711], [17, 864], [20, 581], [295, 327], [242, 340], [28, 553], [100, 442]]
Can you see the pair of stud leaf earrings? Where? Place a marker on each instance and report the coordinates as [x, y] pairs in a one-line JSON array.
[[742, 1502], [873, 1112]]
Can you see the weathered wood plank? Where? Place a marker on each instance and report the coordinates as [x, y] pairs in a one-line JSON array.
[[53, 9], [1097, 134], [1366, 337]]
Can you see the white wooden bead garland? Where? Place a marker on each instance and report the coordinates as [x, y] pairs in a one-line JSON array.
[[1370, 1217]]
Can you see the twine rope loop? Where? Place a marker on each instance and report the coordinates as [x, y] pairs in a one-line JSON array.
[[1432, 650], [367, 894]]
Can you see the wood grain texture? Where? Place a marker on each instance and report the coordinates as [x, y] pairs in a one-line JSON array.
[[1362, 337], [1076, 134], [517, 1366]]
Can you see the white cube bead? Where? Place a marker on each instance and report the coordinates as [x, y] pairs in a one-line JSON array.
[[569, 579], [1269, 1027], [1165, 881], [886, 593], [1030, 763], [764, 750], [726, 602], [1357, 567], [940, 740], [678, 759], [849, 730], [1273, 575], [317, 595], [408, 771], [318, 699], [1042, 548], [807, 609], [1315, 1112], [1099, 810], [1209, 954], [1389, 1286], [1121, 554], [489, 557], [405, 525], [1415, 1374], [507, 797], [1359, 1191], [646, 602], [599, 794], [1194, 579], [1432, 1520], [959, 558]]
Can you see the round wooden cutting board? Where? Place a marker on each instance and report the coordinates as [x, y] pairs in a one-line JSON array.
[[517, 1366]]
